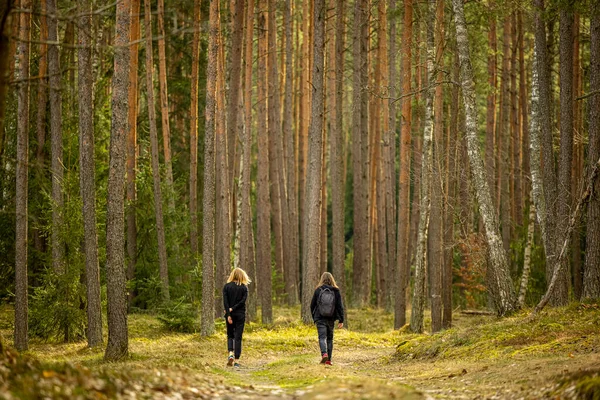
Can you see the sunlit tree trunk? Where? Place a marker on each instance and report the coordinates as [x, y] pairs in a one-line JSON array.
[[403, 179], [591, 280], [527, 256], [132, 144], [263, 204], [312, 229], [87, 175], [503, 291], [209, 195], [194, 132], [56, 138], [158, 208], [21, 336], [116, 279]]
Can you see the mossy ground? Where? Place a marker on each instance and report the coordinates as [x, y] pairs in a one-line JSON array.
[[480, 357]]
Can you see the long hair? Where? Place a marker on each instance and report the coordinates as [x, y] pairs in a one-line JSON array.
[[327, 279], [239, 276]]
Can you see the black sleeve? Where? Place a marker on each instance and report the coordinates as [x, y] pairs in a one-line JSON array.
[[225, 301], [243, 300], [313, 303], [339, 306]]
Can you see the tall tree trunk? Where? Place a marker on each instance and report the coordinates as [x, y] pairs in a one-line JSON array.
[[132, 144], [436, 225], [545, 121], [87, 175], [523, 112], [505, 139], [263, 205], [516, 197], [235, 84], [504, 294], [390, 166], [276, 165], [591, 279], [312, 228], [7, 56], [158, 208], [427, 169], [561, 294], [22, 75], [208, 197], [247, 257], [403, 268], [58, 246], [577, 170], [527, 256], [116, 294], [164, 102], [292, 278], [194, 132], [39, 241], [490, 135]]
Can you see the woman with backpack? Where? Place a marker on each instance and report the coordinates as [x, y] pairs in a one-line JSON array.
[[235, 294], [327, 307]]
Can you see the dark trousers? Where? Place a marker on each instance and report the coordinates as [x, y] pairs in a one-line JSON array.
[[234, 334], [325, 331]]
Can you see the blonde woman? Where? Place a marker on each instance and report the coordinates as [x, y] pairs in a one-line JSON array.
[[326, 307], [235, 294]]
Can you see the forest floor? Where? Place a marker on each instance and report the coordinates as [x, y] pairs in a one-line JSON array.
[[555, 356]]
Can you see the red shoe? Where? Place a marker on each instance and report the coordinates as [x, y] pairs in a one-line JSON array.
[[327, 362], [325, 359]]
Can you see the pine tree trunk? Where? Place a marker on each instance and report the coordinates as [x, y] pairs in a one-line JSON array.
[[561, 294], [403, 268], [87, 175], [164, 102], [523, 112], [247, 257], [527, 256], [194, 133], [235, 84], [591, 280], [292, 278], [132, 144], [505, 139], [7, 56], [56, 138], [427, 168], [22, 75], [263, 205], [158, 208], [209, 195], [390, 166], [116, 291], [490, 135], [312, 228], [504, 295]]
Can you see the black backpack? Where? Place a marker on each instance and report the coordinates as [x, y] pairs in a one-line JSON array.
[[326, 302]]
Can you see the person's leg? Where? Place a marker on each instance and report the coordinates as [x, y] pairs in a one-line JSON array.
[[330, 327], [239, 332], [230, 339], [322, 332]]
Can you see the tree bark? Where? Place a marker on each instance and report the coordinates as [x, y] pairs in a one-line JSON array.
[[164, 102], [87, 176], [22, 74], [591, 280], [504, 137], [194, 132], [561, 294], [132, 144], [292, 279], [312, 228], [208, 197], [527, 256], [56, 138], [403, 268], [263, 226], [7, 56], [492, 61], [427, 168], [516, 197], [116, 291], [504, 296], [158, 208]]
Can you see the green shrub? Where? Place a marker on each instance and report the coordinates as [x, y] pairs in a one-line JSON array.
[[179, 316]]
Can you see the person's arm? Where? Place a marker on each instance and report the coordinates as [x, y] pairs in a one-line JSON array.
[[339, 307], [225, 301], [243, 300], [313, 303]]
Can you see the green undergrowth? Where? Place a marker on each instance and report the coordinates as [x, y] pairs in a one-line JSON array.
[[565, 330], [583, 384]]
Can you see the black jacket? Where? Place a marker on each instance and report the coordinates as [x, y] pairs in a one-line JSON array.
[[339, 306], [234, 297]]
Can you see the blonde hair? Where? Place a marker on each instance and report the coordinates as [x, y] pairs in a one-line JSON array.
[[327, 279], [239, 276]]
